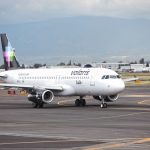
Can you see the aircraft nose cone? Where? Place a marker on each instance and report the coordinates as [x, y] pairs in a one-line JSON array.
[[121, 86], [118, 86]]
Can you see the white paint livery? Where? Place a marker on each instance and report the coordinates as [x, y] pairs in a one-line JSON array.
[[66, 82]]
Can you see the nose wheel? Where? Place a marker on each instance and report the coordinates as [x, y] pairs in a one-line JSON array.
[[103, 104]]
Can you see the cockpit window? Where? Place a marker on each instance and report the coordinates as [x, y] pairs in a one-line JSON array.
[[107, 77], [118, 76], [103, 77]]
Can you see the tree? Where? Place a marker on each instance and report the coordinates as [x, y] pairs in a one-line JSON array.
[[135, 62], [61, 64], [37, 65], [69, 63], [147, 64], [141, 61], [23, 66]]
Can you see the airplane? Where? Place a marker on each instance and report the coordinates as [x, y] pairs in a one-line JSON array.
[[43, 85]]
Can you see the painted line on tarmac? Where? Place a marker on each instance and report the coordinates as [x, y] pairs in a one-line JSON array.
[[62, 103], [33, 142], [118, 145], [132, 108], [35, 135], [135, 96], [144, 102]]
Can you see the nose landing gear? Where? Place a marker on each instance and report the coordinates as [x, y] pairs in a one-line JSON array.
[[103, 104]]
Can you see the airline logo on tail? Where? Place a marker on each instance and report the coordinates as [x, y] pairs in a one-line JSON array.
[[9, 54], [10, 60]]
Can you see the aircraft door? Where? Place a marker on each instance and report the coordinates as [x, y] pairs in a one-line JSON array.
[[92, 81]]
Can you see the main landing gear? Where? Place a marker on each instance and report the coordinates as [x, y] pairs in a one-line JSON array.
[[37, 104], [80, 102]]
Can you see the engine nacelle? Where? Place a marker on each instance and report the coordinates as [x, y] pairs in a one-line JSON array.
[[97, 98], [111, 98], [46, 96]]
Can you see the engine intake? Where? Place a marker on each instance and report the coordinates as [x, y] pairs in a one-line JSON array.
[[111, 98], [46, 96]]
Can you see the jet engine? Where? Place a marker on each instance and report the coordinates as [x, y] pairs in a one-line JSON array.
[[46, 96], [110, 98], [97, 98]]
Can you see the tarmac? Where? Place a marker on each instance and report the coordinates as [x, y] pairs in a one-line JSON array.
[[124, 125]]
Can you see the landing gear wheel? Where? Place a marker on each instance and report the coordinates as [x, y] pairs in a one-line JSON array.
[[41, 105], [35, 105], [77, 102], [82, 102], [103, 105]]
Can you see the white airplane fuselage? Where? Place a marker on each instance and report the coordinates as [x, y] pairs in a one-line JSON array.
[[74, 81]]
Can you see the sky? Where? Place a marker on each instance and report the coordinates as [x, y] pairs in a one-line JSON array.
[[130, 19], [18, 11]]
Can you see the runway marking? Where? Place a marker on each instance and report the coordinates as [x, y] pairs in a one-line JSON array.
[[119, 116], [63, 102], [33, 142], [144, 102], [65, 137], [118, 145], [134, 95]]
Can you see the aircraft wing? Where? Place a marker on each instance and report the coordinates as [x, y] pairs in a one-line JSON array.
[[51, 87], [130, 79]]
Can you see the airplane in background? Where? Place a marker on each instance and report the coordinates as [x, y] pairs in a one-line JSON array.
[[43, 85]]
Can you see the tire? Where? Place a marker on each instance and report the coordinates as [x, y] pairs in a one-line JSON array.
[[35, 105], [41, 105], [82, 102], [77, 102], [103, 105]]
